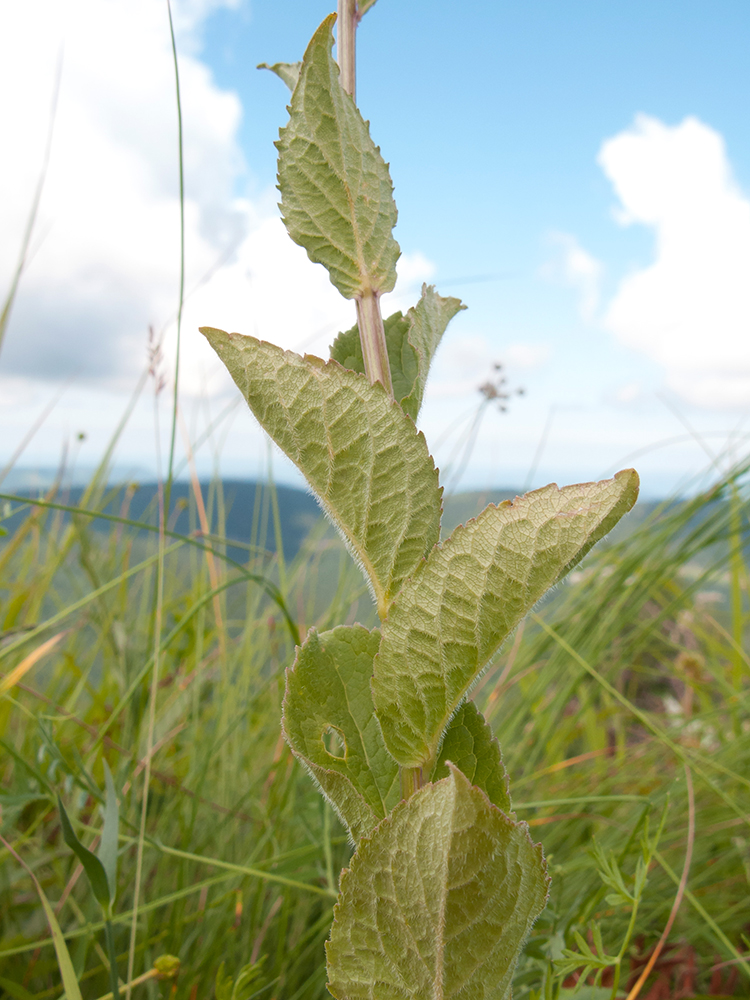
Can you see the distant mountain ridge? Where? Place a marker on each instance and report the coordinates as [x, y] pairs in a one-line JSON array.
[[246, 509]]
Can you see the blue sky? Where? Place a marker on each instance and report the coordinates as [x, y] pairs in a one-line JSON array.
[[579, 174]]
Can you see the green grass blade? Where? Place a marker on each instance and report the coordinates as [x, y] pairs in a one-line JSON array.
[[93, 867], [70, 982], [110, 831]]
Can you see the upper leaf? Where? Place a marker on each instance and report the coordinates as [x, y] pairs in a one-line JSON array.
[[412, 341], [428, 319], [359, 452], [470, 745], [328, 694], [438, 902], [463, 602], [336, 192], [364, 5], [288, 72]]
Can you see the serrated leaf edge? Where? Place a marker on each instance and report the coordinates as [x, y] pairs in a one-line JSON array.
[[455, 776], [457, 531], [381, 595]]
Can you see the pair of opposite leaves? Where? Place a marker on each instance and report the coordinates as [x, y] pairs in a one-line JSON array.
[[443, 888], [445, 608], [362, 456], [447, 880]]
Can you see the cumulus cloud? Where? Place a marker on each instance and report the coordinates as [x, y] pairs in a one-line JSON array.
[[106, 252], [105, 261], [526, 356], [690, 309], [272, 291], [576, 268]]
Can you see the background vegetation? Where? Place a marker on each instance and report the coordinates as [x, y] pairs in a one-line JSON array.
[[620, 700], [147, 629]]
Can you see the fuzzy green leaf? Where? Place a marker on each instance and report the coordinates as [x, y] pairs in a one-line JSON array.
[[91, 864], [470, 745], [411, 340], [359, 452], [328, 696], [328, 692], [461, 604], [428, 322], [288, 72], [364, 6], [438, 902], [336, 191], [108, 844]]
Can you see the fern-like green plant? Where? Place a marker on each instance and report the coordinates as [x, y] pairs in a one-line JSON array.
[[445, 883]]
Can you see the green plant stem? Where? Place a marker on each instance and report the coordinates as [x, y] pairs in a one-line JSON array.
[[346, 47], [181, 302], [114, 979], [151, 974], [369, 316], [625, 945], [153, 693], [412, 780], [736, 567], [372, 336]]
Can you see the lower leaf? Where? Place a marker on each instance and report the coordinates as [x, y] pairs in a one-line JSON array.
[[437, 902], [329, 722]]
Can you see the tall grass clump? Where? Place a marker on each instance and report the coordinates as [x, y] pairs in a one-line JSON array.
[[145, 662], [210, 833], [623, 677]]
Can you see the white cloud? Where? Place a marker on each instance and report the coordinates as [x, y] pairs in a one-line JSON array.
[[575, 267], [273, 292], [525, 356], [107, 245], [461, 365], [106, 262], [689, 310]]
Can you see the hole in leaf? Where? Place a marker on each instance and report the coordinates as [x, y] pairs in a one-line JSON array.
[[334, 742]]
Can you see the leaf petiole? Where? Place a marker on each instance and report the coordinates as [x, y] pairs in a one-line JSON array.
[[372, 336], [412, 779]]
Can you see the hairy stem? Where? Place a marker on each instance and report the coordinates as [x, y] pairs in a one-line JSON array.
[[412, 780], [372, 336], [369, 317], [346, 45]]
